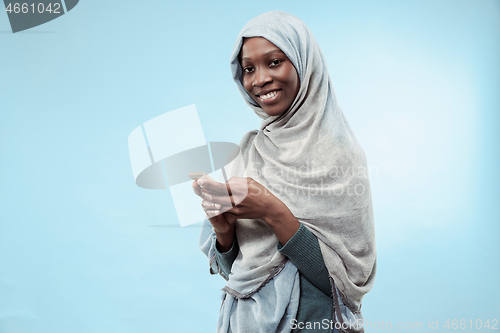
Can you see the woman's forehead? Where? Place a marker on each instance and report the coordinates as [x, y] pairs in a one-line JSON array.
[[253, 47]]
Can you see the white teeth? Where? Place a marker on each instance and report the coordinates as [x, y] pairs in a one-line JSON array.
[[269, 95]]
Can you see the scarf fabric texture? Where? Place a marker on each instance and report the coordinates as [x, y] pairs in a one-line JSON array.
[[309, 158]]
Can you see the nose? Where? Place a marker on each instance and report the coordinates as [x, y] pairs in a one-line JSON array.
[[261, 77]]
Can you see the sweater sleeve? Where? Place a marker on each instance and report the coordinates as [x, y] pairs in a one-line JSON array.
[[225, 260], [304, 252]]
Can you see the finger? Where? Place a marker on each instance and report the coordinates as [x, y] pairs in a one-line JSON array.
[[196, 189], [217, 189], [230, 218], [210, 205], [214, 186], [224, 208], [212, 213], [223, 200]]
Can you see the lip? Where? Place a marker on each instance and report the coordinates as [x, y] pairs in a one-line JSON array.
[[270, 100]]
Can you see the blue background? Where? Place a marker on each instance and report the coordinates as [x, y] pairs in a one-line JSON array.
[[83, 249]]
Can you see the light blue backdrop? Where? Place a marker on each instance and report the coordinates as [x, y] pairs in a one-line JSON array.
[[80, 246]]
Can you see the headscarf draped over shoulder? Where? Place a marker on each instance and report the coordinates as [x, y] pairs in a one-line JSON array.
[[309, 158]]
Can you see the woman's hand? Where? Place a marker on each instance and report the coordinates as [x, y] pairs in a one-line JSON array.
[[223, 224], [241, 197], [247, 199]]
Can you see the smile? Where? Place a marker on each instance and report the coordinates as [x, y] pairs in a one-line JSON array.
[[270, 96]]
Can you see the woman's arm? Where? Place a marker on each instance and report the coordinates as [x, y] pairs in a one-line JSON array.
[[304, 252], [225, 259], [245, 198], [281, 220]]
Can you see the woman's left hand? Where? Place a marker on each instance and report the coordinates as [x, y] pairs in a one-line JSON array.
[[242, 197]]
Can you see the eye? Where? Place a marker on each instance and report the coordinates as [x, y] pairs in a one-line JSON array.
[[275, 62], [248, 69]]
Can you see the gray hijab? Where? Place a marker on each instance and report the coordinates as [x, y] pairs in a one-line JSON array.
[[309, 158]]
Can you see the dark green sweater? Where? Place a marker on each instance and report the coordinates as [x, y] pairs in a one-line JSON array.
[[316, 303]]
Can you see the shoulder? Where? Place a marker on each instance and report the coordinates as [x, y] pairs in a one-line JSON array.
[[246, 143], [247, 139], [238, 159]]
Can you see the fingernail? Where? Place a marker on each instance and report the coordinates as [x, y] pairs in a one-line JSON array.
[[217, 206], [200, 181]]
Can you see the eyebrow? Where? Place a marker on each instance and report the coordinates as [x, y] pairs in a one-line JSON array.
[[265, 54]]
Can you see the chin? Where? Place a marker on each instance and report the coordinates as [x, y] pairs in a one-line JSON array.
[[273, 112]]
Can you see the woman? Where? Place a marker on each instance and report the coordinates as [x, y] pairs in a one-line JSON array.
[[294, 238]]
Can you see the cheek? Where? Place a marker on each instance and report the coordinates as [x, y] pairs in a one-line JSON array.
[[247, 84], [290, 75], [296, 85], [294, 81]]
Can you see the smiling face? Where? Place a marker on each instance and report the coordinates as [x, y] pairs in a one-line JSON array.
[[268, 75]]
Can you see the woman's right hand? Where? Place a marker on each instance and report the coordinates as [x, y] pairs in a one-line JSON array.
[[223, 223]]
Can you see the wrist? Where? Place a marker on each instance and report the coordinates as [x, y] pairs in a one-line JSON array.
[[224, 240], [277, 215], [283, 223]]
